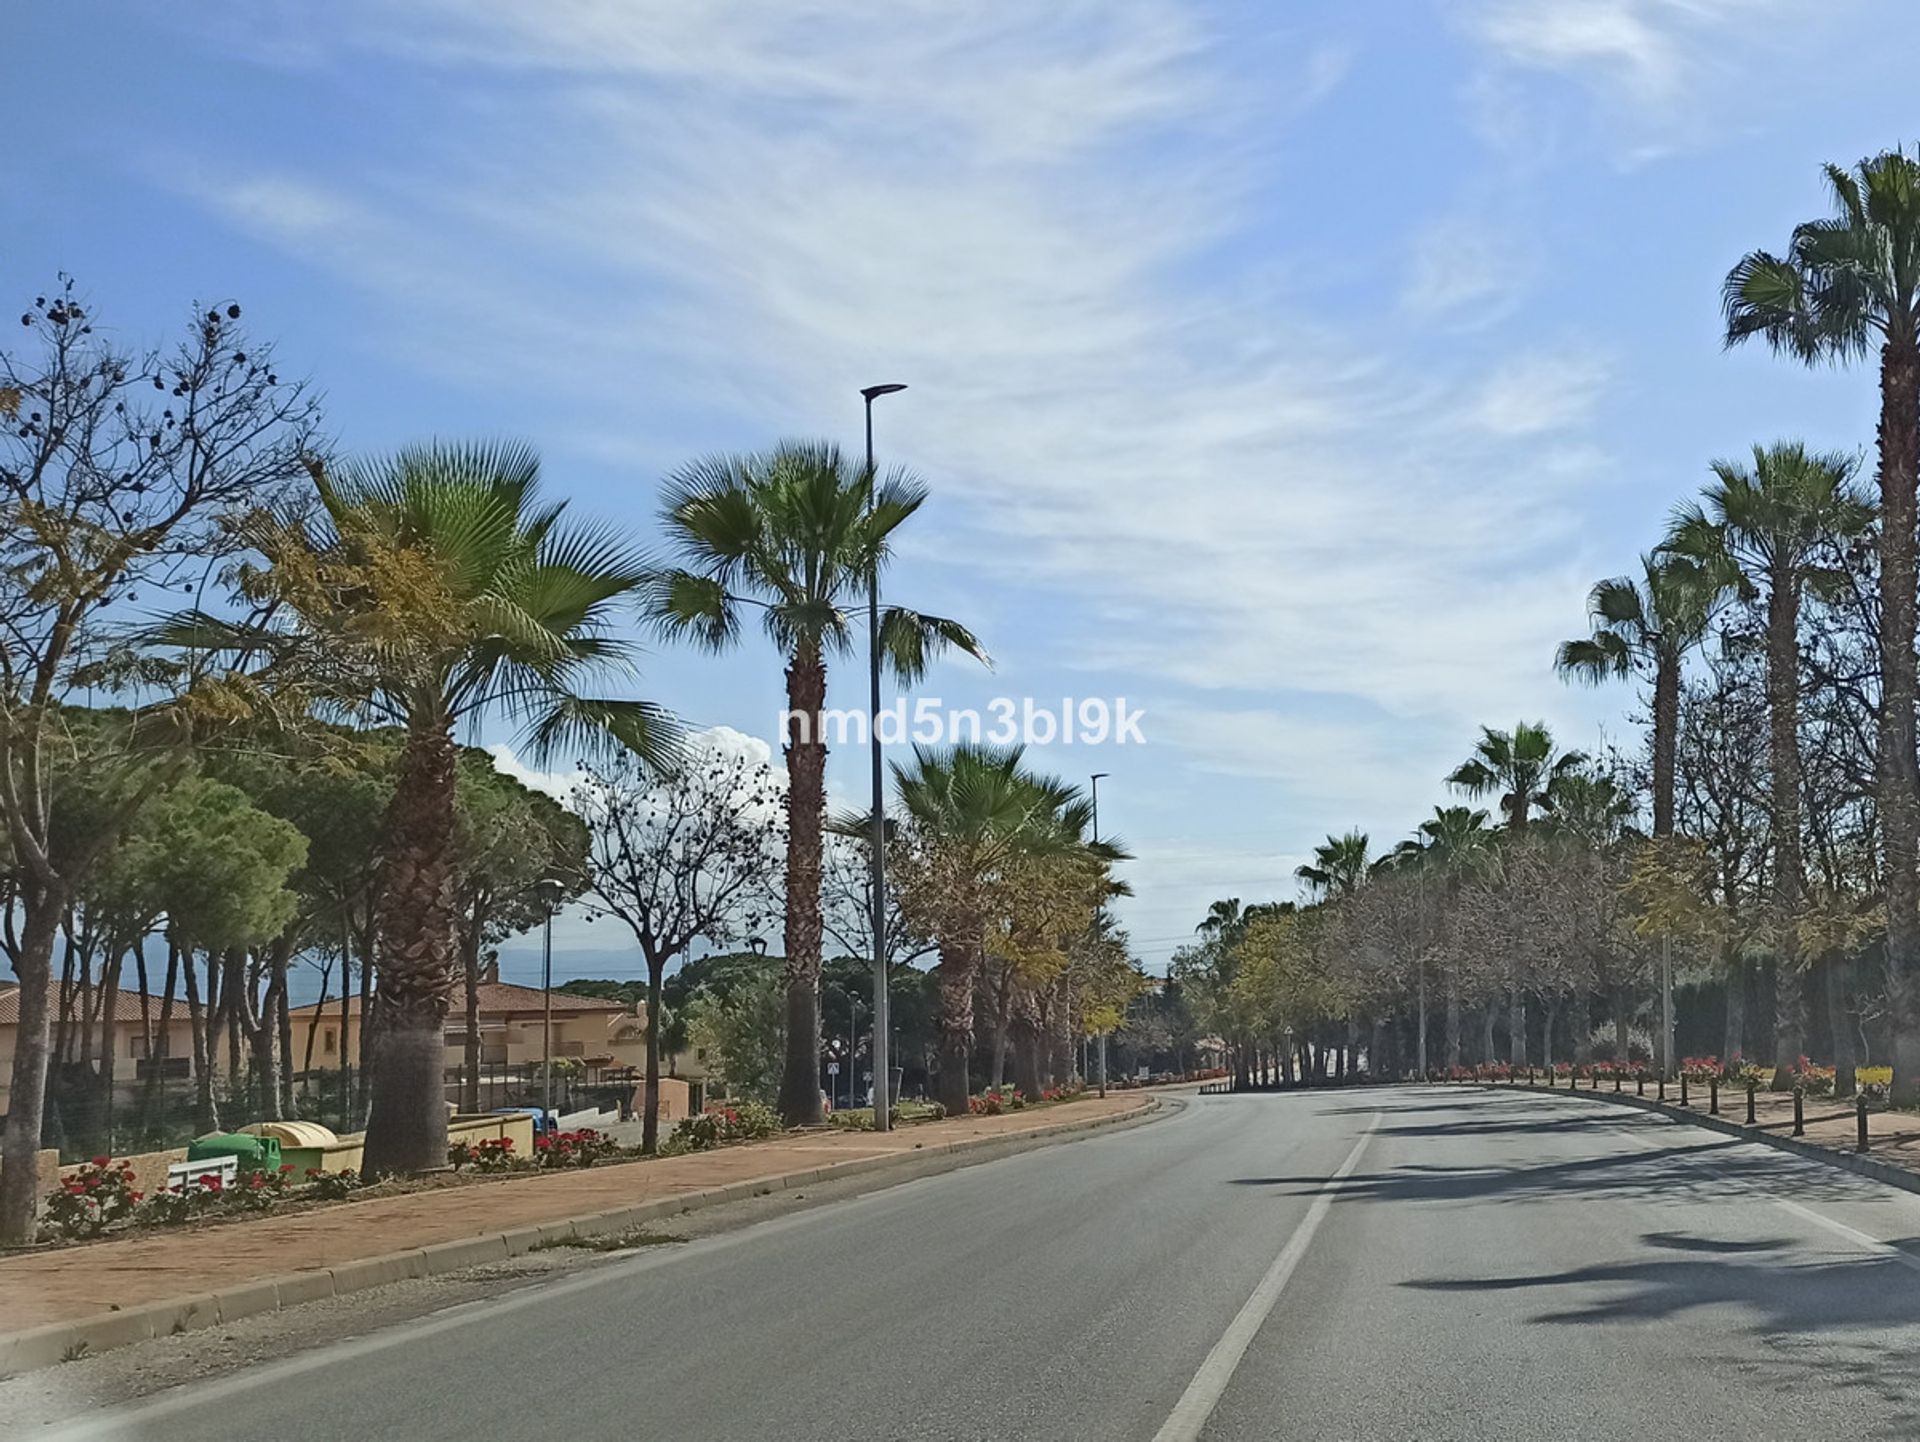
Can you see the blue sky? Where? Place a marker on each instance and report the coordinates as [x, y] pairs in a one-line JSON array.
[[1290, 370]]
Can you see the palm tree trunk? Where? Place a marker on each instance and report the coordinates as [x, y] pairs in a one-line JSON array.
[[956, 1024], [1517, 1026], [806, 807], [1899, 790], [1453, 1016], [1487, 1015], [407, 1066], [1783, 745], [1666, 737], [1582, 1027]]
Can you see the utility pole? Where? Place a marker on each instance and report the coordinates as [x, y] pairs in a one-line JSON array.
[[882, 1059], [1095, 786]]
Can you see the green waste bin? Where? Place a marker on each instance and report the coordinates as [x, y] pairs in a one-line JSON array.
[[253, 1154]]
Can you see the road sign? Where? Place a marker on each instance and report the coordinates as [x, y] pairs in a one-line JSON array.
[[833, 1068]]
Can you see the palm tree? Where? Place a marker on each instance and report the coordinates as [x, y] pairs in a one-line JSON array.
[[1645, 627], [1223, 920], [1520, 766], [1450, 846], [1761, 534], [973, 812], [1340, 866], [437, 586], [1848, 284], [798, 535]]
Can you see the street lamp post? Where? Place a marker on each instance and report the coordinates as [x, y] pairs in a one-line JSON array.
[[882, 1062], [1098, 776], [550, 893]]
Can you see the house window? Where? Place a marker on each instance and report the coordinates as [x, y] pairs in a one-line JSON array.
[[137, 1047], [329, 1042]]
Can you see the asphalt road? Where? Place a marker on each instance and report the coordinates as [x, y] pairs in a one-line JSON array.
[[1381, 1263]]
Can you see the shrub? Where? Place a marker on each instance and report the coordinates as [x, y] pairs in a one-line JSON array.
[[96, 1194], [1811, 1079], [333, 1186], [1703, 1068], [573, 1149], [858, 1120], [992, 1103], [260, 1191], [495, 1154], [748, 1121]]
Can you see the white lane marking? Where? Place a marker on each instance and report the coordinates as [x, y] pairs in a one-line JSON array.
[[1203, 1393]]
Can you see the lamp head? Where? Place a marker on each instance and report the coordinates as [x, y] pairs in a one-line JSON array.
[[550, 889], [873, 393]]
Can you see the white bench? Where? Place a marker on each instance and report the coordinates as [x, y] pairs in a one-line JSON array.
[[190, 1176]]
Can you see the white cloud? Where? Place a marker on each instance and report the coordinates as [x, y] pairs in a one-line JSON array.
[[1465, 270], [1648, 48], [1534, 394]]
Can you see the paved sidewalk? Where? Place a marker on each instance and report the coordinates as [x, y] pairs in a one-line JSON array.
[[77, 1283]]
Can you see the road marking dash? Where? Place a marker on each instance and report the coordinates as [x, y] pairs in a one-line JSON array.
[[1209, 1384]]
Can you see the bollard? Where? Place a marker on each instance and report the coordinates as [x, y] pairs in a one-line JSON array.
[[1617, 1079], [1663, 1086], [1713, 1096], [1750, 1117], [1860, 1118], [1640, 1084], [1799, 1115], [1683, 1089]]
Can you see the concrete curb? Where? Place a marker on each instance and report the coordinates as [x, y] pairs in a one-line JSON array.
[[56, 1342], [1865, 1166]]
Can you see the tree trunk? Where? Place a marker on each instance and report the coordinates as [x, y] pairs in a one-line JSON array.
[[1735, 1039], [650, 1123], [1453, 1017], [1582, 1020], [1623, 1024], [806, 753], [1666, 736], [1420, 1034], [206, 1111], [415, 929], [1517, 1027], [1002, 1020], [1546, 1033], [1840, 1018], [1899, 789], [956, 1025], [154, 1099], [110, 968], [1026, 1057], [1487, 1049], [1783, 747], [470, 966], [283, 1032], [19, 1153]]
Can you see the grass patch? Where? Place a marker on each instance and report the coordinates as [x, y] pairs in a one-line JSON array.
[[609, 1242]]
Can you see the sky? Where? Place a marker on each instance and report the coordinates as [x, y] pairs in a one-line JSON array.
[[1289, 370]]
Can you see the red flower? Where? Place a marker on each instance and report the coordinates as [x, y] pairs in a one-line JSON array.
[[286, 1166], [100, 1161]]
